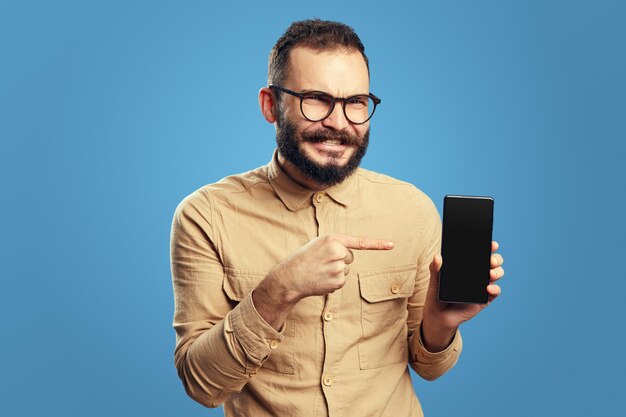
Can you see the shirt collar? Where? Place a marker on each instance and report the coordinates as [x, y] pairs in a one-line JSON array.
[[296, 197]]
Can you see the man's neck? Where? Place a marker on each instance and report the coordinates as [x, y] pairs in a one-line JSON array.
[[297, 176]]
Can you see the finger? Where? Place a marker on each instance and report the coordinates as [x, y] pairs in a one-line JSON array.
[[435, 265], [496, 273], [335, 251], [349, 257], [494, 291], [494, 246], [496, 260], [364, 243], [336, 269]]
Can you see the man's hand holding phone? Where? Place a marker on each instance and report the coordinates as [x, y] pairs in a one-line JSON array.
[[466, 284], [441, 319]]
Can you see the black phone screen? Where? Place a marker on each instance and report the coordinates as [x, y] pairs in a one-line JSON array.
[[466, 249]]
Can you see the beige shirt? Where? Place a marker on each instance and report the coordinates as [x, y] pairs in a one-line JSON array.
[[345, 354]]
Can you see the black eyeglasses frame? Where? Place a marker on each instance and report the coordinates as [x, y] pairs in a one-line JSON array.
[[334, 100]]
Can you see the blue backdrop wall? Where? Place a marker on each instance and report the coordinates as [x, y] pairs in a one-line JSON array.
[[111, 112]]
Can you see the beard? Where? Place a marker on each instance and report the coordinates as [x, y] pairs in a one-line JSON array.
[[288, 139]]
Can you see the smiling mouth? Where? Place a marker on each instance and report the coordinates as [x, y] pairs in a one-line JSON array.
[[334, 149], [330, 144], [333, 142]]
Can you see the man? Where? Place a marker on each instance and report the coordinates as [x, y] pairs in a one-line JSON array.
[[305, 287]]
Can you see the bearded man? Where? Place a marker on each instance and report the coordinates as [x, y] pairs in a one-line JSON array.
[[307, 287]]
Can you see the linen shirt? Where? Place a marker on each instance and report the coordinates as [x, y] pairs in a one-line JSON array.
[[344, 354]]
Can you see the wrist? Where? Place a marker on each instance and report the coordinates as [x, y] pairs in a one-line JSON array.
[[279, 288], [275, 295], [436, 338], [272, 302]]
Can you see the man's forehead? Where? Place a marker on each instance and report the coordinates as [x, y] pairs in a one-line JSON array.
[[338, 71]]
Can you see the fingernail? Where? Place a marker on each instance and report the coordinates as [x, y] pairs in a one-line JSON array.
[[389, 244]]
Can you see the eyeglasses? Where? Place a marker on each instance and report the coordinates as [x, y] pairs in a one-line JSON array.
[[316, 105]]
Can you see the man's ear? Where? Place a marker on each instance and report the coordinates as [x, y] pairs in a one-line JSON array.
[[267, 102]]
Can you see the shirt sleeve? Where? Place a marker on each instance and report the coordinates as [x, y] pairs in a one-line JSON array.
[[427, 364], [219, 344], [431, 365]]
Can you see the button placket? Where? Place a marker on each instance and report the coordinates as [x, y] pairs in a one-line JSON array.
[[327, 215]]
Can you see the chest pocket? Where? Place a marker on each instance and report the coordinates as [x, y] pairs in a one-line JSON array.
[[237, 285], [384, 297]]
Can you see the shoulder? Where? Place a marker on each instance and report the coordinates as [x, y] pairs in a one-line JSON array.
[[387, 188], [204, 198], [230, 185]]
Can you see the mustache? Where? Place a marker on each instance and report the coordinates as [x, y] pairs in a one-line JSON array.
[[343, 137]]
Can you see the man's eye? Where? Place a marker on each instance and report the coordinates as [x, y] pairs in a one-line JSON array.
[[316, 97], [317, 100], [359, 101]]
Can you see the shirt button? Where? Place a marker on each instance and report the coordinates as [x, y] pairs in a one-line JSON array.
[[274, 343], [328, 316], [395, 288], [327, 381], [319, 197]]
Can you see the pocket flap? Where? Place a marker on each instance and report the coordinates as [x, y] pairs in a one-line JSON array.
[[387, 284], [238, 282]]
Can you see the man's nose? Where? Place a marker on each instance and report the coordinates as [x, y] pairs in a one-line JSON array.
[[337, 119]]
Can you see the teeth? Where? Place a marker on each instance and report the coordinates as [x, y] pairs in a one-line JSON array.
[[332, 142]]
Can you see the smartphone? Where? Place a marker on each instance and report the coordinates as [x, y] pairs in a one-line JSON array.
[[466, 249]]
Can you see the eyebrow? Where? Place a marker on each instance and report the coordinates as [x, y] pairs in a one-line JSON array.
[[313, 91], [328, 94]]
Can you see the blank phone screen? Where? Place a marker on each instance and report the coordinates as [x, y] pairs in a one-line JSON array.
[[466, 249]]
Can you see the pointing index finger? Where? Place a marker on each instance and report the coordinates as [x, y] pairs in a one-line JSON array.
[[364, 243]]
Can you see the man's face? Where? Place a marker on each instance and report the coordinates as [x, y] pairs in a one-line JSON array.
[[331, 149]]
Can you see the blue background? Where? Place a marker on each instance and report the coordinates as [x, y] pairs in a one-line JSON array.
[[111, 112]]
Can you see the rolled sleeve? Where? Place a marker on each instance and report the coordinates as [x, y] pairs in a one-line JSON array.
[[431, 365], [257, 338]]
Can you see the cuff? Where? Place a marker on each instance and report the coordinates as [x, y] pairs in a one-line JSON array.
[[446, 357], [257, 338]]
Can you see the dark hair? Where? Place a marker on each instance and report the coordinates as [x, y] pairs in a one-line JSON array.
[[320, 35]]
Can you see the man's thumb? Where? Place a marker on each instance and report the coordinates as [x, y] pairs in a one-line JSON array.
[[435, 267]]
